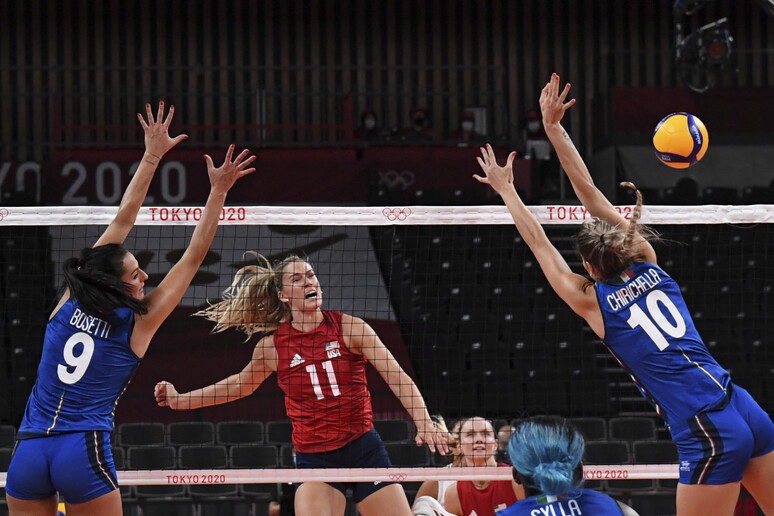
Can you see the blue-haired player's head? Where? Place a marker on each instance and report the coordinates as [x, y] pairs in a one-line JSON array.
[[546, 454]]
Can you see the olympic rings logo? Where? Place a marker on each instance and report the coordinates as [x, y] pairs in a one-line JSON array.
[[392, 179], [396, 213], [398, 477], [3, 213]]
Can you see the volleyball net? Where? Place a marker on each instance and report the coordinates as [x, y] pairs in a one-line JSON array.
[[453, 292]]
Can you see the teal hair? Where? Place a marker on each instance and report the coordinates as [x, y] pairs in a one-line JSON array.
[[547, 452]]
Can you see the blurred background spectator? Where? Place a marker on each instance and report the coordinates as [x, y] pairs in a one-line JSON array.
[[418, 131], [465, 134], [369, 129]]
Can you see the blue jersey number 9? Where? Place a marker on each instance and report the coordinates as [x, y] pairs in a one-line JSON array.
[[76, 364]]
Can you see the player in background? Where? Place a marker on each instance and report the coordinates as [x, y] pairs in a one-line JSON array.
[[320, 357], [721, 433], [547, 454], [478, 446], [95, 339]]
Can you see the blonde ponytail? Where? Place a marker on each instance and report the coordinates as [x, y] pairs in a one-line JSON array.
[[251, 304], [632, 229]]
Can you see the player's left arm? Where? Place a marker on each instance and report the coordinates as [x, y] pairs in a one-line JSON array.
[[451, 500], [553, 107], [169, 292], [360, 338], [157, 143]]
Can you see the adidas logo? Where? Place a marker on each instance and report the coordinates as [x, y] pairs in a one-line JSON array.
[[297, 360]]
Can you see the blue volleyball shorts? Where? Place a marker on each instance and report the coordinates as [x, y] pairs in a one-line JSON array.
[[367, 451], [79, 465], [715, 446]]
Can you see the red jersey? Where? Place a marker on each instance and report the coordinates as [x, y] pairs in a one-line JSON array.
[[493, 498], [326, 394]]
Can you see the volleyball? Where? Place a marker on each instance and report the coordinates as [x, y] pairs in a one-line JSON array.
[[680, 140]]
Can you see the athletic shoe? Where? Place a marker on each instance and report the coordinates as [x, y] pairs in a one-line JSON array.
[[429, 506]]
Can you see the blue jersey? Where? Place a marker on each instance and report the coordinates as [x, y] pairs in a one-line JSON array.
[[86, 364], [649, 330], [582, 503]]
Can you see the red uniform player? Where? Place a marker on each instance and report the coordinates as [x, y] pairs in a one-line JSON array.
[[320, 360]]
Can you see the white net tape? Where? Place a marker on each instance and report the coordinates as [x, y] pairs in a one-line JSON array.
[[270, 476], [378, 215]]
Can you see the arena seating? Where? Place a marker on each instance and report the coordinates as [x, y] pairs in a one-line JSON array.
[[231, 433]]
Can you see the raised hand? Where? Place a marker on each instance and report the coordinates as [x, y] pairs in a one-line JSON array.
[[499, 178], [157, 139], [223, 177], [552, 102]]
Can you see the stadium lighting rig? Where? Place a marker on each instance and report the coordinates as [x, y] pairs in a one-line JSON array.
[[702, 56]]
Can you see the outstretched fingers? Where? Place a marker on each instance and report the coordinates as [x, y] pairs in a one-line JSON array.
[[482, 162], [229, 154], [241, 166], [490, 153], [142, 122], [170, 115], [561, 98], [554, 85], [509, 161], [233, 166], [160, 115], [565, 91], [241, 161], [148, 110], [242, 155]]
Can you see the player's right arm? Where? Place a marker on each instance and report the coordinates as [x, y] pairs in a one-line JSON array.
[[236, 386], [571, 287]]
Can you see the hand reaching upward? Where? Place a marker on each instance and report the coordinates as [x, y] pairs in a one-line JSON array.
[[499, 178], [552, 103], [157, 139], [223, 177]]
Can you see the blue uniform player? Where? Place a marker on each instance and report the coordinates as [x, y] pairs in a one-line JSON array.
[[95, 339], [547, 455], [87, 362], [649, 330], [723, 436]]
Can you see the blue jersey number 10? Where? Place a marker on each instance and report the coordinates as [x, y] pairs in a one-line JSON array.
[[655, 323]]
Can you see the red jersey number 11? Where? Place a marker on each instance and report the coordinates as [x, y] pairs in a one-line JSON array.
[[328, 366]]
